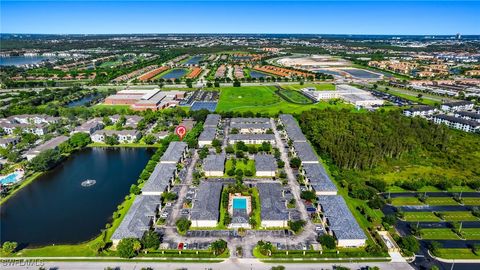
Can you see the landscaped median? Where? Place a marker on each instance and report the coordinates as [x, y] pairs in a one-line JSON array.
[[266, 252]]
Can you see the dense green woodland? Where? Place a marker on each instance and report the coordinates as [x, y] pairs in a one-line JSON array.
[[408, 152]]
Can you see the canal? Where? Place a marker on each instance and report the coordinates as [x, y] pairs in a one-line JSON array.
[[56, 209]]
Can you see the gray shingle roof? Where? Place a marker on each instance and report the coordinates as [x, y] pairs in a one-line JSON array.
[[454, 119], [340, 219], [208, 134], [458, 103], [251, 125], [265, 163], [471, 115], [214, 163], [138, 218], [160, 177], [271, 201], [291, 127], [206, 205], [251, 120], [318, 177], [50, 144], [212, 120], [174, 152], [305, 152]]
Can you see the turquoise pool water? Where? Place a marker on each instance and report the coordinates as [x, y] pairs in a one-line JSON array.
[[11, 178], [239, 203]]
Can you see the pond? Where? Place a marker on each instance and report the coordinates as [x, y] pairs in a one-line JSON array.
[[328, 72], [83, 101], [56, 209], [175, 74], [21, 60], [194, 60], [363, 74], [256, 74]]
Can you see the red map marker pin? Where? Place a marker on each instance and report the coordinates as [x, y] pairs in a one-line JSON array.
[[181, 131]]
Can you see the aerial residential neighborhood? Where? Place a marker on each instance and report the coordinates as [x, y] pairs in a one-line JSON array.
[[260, 135]]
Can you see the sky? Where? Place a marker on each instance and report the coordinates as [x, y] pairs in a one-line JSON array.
[[310, 17]]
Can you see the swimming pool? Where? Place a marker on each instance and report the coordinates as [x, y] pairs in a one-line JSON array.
[[239, 203], [9, 179]]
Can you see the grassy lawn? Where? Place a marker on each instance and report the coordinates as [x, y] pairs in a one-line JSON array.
[[456, 253], [400, 201], [420, 216], [471, 233], [441, 201], [459, 216], [411, 95], [295, 96], [240, 164], [119, 108], [263, 99], [396, 189], [322, 86], [439, 234]]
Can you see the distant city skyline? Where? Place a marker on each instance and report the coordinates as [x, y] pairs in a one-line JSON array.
[[285, 17]]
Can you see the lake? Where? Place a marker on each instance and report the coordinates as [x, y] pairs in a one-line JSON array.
[[22, 60], [256, 74], [363, 74], [194, 60], [56, 209], [82, 101], [328, 72], [175, 74]]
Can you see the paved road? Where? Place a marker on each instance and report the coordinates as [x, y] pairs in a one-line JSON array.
[[177, 207], [231, 264]]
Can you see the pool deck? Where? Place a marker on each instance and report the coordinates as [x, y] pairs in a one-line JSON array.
[[239, 196]]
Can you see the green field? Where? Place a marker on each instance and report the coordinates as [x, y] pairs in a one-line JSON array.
[[447, 216], [471, 233], [250, 165], [471, 201], [420, 216], [439, 234], [459, 216], [456, 253], [322, 86], [263, 99], [400, 201], [441, 201], [295, 96]]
